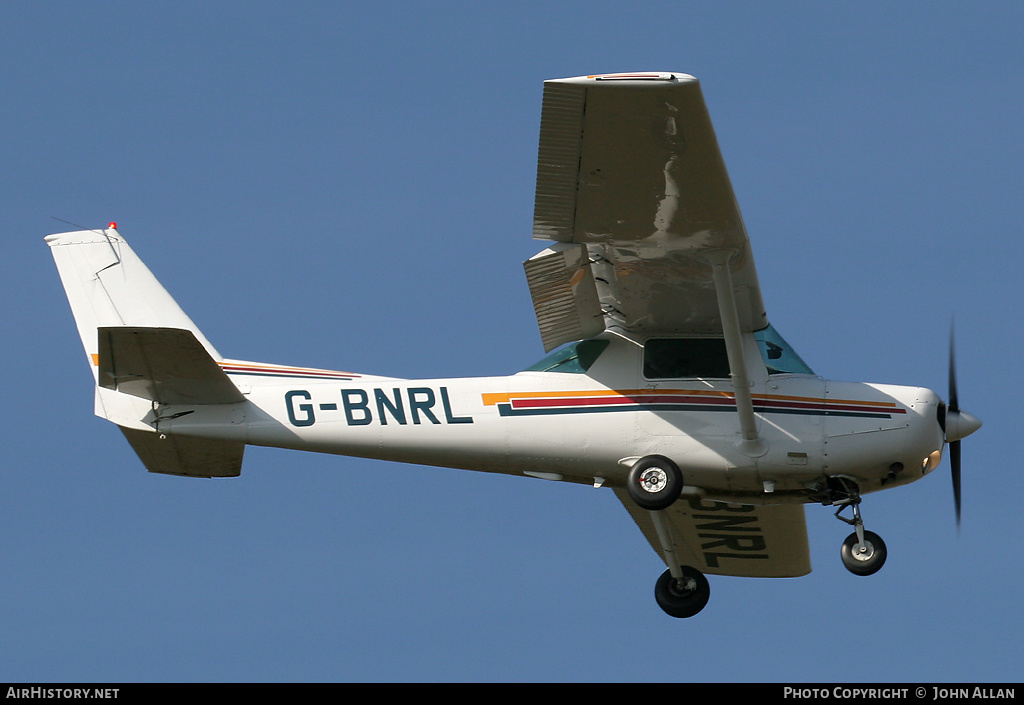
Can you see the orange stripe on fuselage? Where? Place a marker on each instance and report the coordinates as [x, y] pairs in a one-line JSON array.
[[490, 399]]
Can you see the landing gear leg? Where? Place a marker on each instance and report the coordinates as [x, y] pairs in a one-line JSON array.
[[681, 591], [863, 552]]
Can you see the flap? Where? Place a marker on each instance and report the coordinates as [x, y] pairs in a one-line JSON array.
[[756, 541], [630, 167], [168, 365], [564, 297], [181, 455]]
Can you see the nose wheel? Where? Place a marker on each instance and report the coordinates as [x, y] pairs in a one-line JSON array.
[[863, 552], [863, 556]]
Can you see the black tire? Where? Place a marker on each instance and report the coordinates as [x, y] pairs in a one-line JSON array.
[[682, 603], [654, 482], [864, 562]]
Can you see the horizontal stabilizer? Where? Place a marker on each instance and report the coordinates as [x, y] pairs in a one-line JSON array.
[[181, 455], [167, 365]]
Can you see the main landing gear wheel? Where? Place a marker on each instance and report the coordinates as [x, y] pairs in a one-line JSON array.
[[682, 598], [863, 557], [655, 482]]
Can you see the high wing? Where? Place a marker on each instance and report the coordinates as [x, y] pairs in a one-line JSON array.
[[754, 541], [632, 188]]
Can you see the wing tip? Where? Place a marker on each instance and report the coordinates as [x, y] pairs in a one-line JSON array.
[[630, 77]]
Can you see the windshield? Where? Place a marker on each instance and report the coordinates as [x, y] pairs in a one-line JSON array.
[[778, 357], [576, 357]]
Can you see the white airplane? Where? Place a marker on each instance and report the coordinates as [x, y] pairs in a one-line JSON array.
[[665, 380]]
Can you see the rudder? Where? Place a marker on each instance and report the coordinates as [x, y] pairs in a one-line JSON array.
[[108, 285]]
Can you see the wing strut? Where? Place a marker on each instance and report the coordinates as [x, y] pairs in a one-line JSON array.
[[752, 443]]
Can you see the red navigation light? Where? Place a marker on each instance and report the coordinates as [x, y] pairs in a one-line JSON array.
[[112, 226]]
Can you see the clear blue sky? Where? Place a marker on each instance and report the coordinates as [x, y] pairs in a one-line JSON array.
[[350, 186]]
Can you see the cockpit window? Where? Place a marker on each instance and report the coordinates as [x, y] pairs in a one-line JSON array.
[[778, 357], [680, 358], [574, 358]]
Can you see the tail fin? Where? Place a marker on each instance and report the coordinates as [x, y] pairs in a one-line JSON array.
[[143, 349], [108, 286]]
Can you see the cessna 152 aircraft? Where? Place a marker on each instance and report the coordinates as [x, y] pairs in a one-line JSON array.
[[665, 380]]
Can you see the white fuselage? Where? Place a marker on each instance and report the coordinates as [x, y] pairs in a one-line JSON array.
[[589, 426]]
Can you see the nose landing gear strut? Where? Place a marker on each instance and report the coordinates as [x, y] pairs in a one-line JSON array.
[[863, 552]]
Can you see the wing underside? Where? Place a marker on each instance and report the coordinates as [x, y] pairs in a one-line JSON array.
[[756, 541], [632, 187]]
